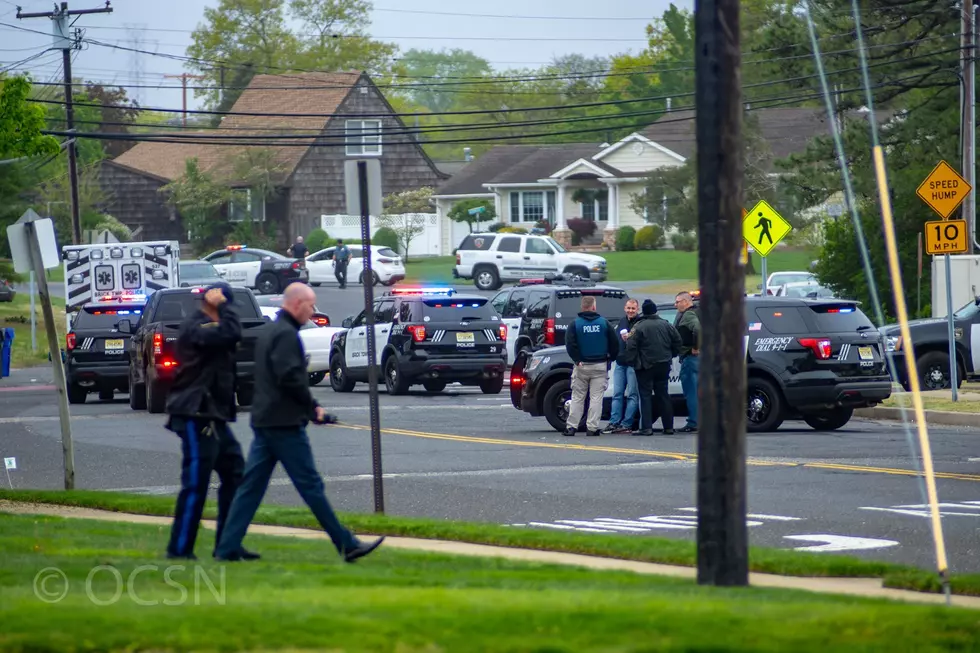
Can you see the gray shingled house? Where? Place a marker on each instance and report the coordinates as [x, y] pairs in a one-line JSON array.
[[309, 178]]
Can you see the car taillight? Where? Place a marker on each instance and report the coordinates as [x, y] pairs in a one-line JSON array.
[[417, 331], [549, 331], [298, 265], [158, 343], [503, 332], [458, 260], [385, 260], [70, 341], [321, 321], [169, 363], [820, 346]]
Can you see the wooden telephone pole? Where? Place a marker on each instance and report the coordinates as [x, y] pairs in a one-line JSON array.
[[722, 537], [183, 77], [65, 42]]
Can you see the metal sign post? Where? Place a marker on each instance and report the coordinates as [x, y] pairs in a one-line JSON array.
[[33, 316], [944, 190]]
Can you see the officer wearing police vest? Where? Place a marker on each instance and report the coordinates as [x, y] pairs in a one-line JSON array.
[[592, 344]]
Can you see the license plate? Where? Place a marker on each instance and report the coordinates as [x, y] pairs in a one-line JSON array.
[[113, 344], [464, 337], [866, 353]]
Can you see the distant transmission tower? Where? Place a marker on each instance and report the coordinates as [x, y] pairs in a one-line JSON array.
[[136, 34]]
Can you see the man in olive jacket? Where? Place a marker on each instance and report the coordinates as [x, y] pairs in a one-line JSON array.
[[652, 344], [282, 408], [689, 327]]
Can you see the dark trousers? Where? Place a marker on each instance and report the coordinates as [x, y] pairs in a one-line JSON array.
[[204, 452], [653, 383], [340, 271], [291, 447]]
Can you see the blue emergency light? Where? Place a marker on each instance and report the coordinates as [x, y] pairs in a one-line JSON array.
[[424, 291]]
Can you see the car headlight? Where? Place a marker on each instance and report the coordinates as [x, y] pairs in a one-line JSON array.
[[536, 361], [893, 343]]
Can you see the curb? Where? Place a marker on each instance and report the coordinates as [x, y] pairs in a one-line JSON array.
[[938, 417]]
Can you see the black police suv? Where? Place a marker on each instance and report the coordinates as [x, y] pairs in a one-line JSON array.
[[427, 336], [96, 353], [815, 360], [537, 311]]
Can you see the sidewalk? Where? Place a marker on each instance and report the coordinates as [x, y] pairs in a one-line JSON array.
[[863, 587], [968, 400], [40, 378]]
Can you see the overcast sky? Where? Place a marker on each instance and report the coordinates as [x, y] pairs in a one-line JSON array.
[[164, 26]]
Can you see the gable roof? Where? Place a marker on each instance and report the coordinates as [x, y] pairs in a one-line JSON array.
[[294, 93], [786, 130], [515, 164]]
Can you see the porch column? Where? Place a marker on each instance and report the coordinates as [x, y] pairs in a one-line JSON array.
[[560, 207], [612, 224]]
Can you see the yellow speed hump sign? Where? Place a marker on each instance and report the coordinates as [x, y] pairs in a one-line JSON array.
[[763, 228], [943, 190]]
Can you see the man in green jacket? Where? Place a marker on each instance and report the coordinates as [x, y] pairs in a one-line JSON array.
[[688, 325]]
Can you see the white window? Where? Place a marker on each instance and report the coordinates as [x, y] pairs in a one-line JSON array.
[[530, 206], [241, 207], [363, 137]]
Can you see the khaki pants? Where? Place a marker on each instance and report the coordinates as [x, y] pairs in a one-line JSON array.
[[591, 379]]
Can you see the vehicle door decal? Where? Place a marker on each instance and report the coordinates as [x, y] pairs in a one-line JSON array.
[[975, 346]]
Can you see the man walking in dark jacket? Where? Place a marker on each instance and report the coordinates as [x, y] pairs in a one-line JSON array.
[[281, 410], [624, 377], [591, 343], [200, 405], [651, 348]]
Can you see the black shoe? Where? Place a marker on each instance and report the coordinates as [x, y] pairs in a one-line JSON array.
[[612, 428], [668, 431], [362, 549], [643, 432], [250, 555], [596, 433], [174, 556], [569, 433], [689, 429]]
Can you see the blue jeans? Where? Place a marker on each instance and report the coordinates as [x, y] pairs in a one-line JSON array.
[[624, 382], [689, 383], [291, 447]]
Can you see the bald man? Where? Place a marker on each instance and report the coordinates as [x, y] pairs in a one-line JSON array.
[[282, 408]]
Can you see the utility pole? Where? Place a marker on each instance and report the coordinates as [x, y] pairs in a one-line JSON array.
[[65, 42], [968, 116], [722, 538], [183, 77]]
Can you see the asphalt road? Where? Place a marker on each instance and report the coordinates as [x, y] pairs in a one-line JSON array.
[[464, 455]]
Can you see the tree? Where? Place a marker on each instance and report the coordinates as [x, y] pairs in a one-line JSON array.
[[198, 197], [116, 113], [429, 76], [405, 213], [461, 212]]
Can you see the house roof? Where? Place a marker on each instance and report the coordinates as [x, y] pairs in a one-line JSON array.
[[295, 93], [515, 164], [787, 130]]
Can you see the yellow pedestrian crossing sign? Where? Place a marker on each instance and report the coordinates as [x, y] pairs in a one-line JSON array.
[[763, 228]]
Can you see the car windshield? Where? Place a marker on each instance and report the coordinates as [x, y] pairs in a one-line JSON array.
[[106, 317], [451, 309], [386, 251], [780, 279], [611, 308], [175, 307], [967, 311], [554, 243], [838, 318], [199, 271], [809, 291]]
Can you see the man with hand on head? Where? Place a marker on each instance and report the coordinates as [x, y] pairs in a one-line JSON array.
[[282, 408], [200, 405]]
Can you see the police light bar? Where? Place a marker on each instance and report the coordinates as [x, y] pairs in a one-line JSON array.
[[235, 248], [123, 298], [530, 282], [423, 291]]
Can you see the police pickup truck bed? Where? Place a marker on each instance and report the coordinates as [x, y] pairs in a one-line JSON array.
[[152, 364]]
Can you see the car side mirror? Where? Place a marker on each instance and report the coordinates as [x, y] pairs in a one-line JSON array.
[[223, 273], [348, 322], [125, 326]]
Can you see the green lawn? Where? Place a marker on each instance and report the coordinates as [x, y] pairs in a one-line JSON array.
[[644, 549], [300, 596], [666, 264], [17, 314]]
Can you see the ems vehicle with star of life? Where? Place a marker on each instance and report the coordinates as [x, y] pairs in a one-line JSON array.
[[811, 359], [424, 336]]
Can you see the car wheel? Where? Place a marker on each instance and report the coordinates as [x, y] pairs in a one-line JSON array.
[[434, 386], [517, 372], [556, 401], [486, 278], [317, 377], [76, 394], [374, 274], [764, 406], [492, 386], [245, 395], [137, 396], [339, 380], [933, 368], [831, 420], [156, 400], [267, 284], [394, 381]]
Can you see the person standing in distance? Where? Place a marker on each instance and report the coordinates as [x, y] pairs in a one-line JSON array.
[[592, 344], [688, 325], [341, 258], [282, 408], [299, 250], [199, 407], [624, 378], [651, 348]]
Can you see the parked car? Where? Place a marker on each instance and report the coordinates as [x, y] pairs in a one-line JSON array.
[[268, 273], [387, 266], [7, 292], [317, 342], [198, 273]]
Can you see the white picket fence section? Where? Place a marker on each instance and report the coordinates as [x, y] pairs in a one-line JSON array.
[[426, 243]]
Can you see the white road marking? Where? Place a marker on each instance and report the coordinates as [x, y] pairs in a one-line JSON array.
[[833, 543], [755, 515], [973, 460], [568, 528], [923, 510], [613, 527]]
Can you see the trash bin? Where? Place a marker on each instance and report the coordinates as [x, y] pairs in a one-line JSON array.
[[5, 351]]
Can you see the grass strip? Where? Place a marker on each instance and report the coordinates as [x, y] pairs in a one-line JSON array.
[[302, 597], [17, 314], [625, 547]]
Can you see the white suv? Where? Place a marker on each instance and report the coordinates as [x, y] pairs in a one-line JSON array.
[[492, 258]]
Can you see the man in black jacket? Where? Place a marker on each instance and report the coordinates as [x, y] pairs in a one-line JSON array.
[[282, 408], [651, 348], [624, 378], [200, 405]]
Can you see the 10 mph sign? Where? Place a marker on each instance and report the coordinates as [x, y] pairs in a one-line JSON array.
[[946, 237]]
